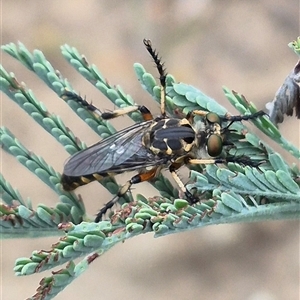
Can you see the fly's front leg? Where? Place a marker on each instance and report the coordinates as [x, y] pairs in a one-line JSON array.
[[242, 160], [124, 189], [214, 118], [146, 114], [244, 117], [209, 117], [238, 118]]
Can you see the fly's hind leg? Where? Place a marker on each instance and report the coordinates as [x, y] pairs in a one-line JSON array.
[[162, 75], [146, 114], [124, 189]]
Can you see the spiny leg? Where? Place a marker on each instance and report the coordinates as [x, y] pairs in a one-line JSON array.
[[162, 75], [239, 118], [245, 117], [215, 118], [176, 178], [124, 189], [189, 196], [146, 114], [244, 160]]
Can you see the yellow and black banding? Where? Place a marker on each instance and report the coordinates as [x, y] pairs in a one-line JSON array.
[[70, 183]]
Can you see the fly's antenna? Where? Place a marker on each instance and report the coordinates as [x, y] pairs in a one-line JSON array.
[[162, 75]]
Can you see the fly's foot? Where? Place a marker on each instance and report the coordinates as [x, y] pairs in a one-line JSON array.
[[192, 198]]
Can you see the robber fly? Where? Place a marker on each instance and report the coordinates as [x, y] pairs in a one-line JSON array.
[[149, 146]]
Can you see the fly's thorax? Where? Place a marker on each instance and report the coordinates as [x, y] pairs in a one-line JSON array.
[[170, 137]]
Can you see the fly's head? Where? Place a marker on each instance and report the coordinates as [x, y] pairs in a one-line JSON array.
[[210, 135]]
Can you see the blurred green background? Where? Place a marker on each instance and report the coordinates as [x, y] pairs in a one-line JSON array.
[[240, 44]]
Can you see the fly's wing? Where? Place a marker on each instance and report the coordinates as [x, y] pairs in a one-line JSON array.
[[123, 151]]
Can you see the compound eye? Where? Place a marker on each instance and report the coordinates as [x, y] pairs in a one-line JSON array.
[[214, 145], [213, 118]]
